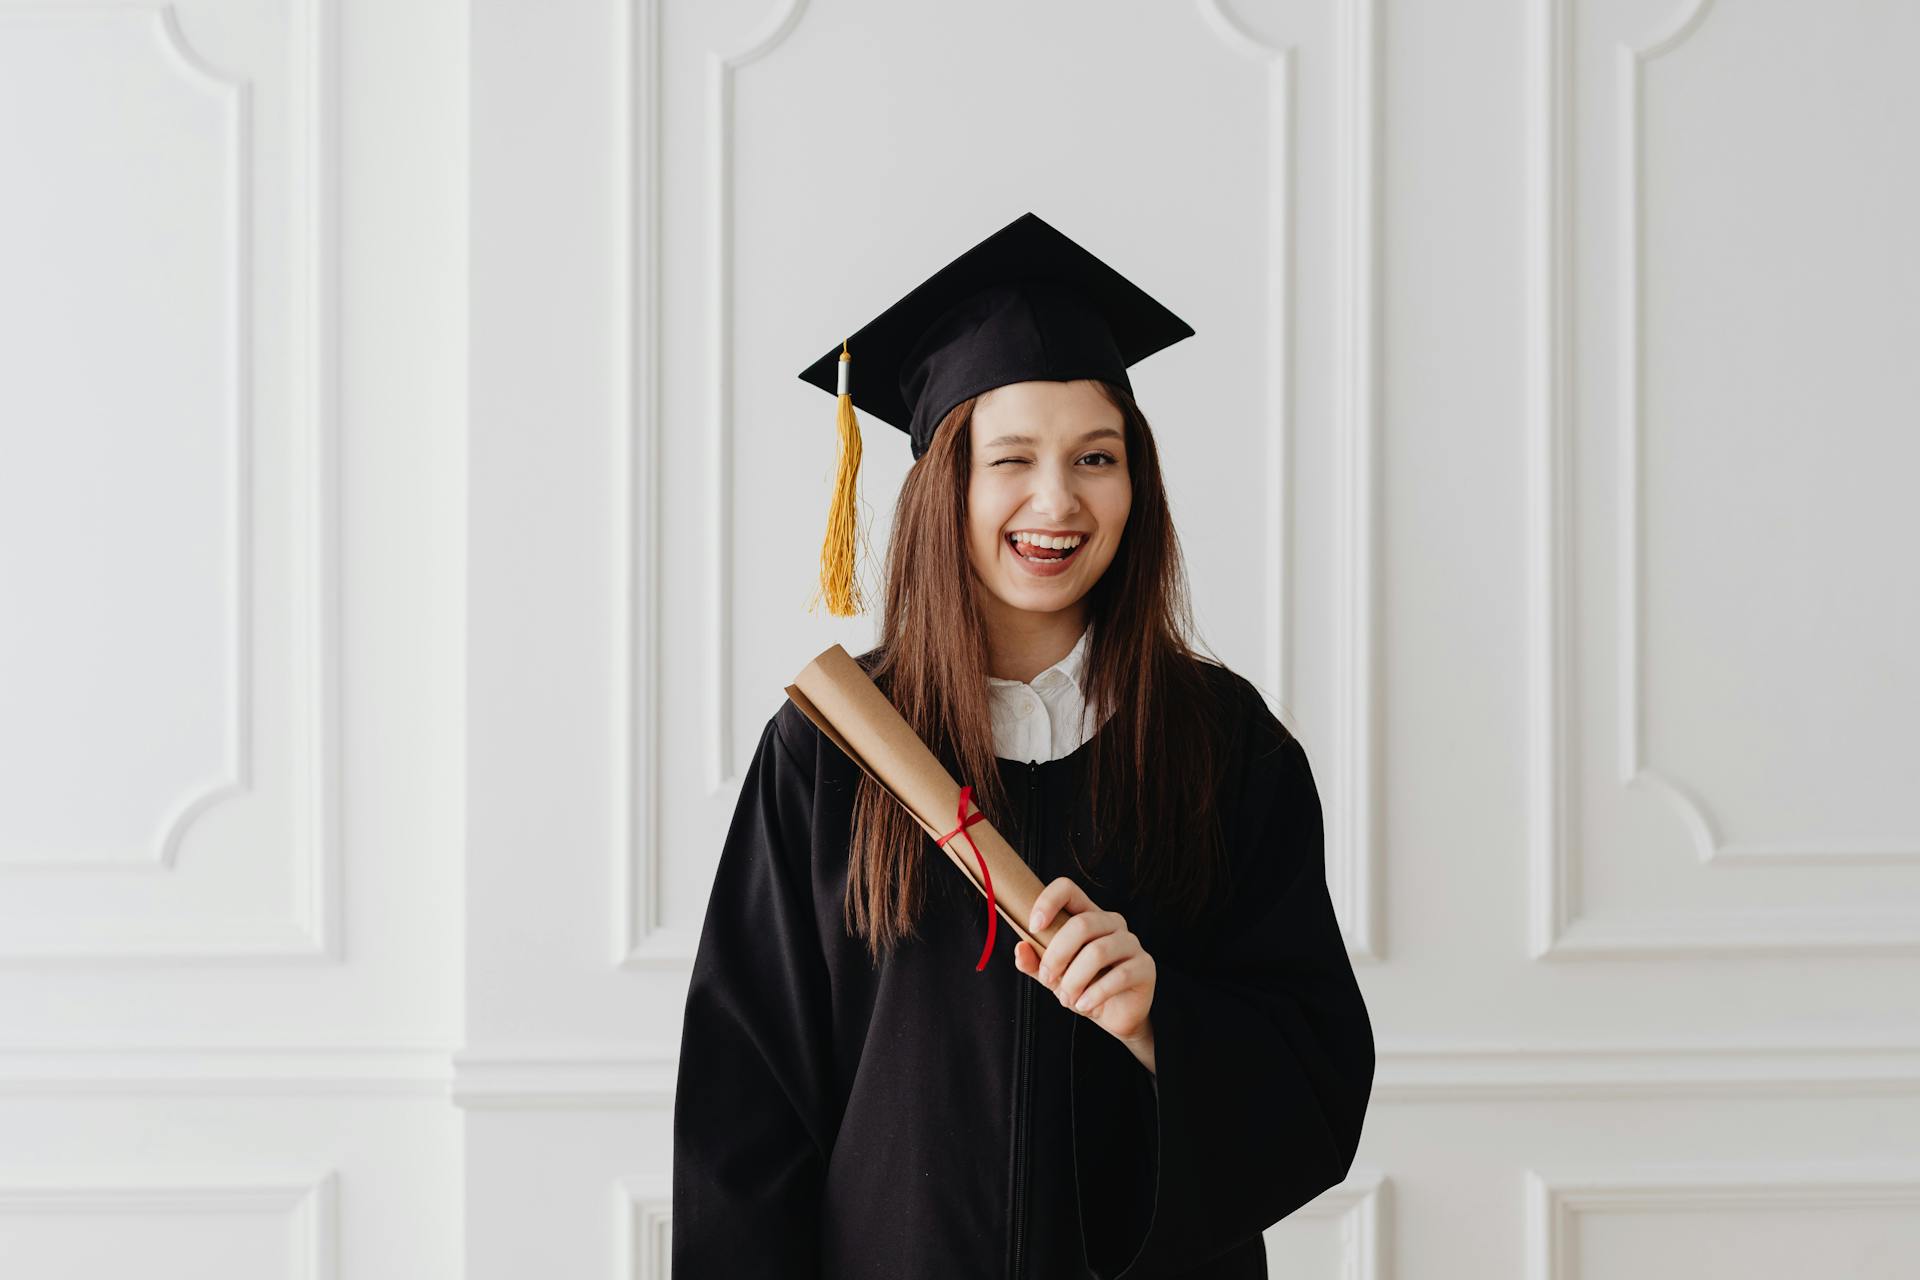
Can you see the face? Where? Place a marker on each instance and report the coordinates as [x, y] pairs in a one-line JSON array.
[[1049, 458]]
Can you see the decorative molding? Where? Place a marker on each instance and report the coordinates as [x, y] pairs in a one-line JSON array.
[[1357, 870], [640, 939], [644, 1208], [1551, 889], [234, 99], [226, 1071], [1281, 248], [1756, 932], [643, 1077], [721, 71], [1466, 1072], [1786, 853], [1354, 868], [1556, 1199], [309, 1202], [1557, 929], [1630, 337], [313, 933], [560, 1076], [1359, 1207]]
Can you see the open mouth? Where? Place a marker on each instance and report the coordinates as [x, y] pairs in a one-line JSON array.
[[1043, 555]]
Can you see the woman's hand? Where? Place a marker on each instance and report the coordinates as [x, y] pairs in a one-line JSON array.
[[1095, 965]]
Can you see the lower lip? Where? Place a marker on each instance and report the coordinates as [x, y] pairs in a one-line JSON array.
[[1043, 568]]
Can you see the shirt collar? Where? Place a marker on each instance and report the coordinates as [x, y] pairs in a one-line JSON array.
[[1073, 666]]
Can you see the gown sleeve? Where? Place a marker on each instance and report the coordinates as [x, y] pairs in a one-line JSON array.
[[752, 1126], [1263, 1056]]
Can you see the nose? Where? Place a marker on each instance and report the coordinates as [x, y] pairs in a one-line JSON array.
[[1053, 493]]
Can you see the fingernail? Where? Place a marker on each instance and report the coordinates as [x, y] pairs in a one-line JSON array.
[[1084, 1004], [1046, 974], [1033, 921]]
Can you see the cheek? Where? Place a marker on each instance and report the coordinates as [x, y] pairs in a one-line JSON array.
[[983, 519], [1114, 516], [980, 545]]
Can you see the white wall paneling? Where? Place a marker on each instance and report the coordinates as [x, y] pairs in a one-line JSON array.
[[412, 507], [232, 302], [261, 1224], [1845, 1218], [179, 276], [1397, 229], [1702, 414], [1344, 161]]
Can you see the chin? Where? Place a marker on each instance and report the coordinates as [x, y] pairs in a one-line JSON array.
[[1019, 595], [1043, 604]]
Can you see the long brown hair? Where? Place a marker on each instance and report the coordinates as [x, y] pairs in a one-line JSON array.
[[1144, 679]]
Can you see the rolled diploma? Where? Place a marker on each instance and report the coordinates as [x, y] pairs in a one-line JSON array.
[[836, 694]]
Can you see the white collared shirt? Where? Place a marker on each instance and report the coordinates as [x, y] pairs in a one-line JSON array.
[[1047, 718]]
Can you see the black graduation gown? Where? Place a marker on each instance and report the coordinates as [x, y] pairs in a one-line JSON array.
[[924, 1119]]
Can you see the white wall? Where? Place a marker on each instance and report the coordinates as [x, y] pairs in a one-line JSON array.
[[1541, 449], [232, 330]]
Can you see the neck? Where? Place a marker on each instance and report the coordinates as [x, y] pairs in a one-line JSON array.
[[1021, 644]]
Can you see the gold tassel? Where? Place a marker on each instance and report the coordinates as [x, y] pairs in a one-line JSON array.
[[838, 581]]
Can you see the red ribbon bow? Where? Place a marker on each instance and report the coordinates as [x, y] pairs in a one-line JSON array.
[[967, 820]]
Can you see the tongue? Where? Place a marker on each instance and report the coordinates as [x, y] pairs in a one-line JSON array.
[[1042, 553]]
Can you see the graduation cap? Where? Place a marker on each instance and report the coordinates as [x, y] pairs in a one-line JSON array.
[[1025, 304]]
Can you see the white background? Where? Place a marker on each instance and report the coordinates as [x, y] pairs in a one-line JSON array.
[[408, 507]]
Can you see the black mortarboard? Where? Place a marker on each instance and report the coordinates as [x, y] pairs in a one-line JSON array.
[[1025, 304]]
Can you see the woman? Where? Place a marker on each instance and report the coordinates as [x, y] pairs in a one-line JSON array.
[[1190, 1060]]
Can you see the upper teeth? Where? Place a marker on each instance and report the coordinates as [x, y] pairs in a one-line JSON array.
[[1042, 540]]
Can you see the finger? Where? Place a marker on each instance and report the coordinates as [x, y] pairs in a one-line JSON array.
[[1100, 954], [1059, 953], [1061, 894], [1101, 991], [1074, 934], [1122, 977], [1047, 903], [1076, 899]]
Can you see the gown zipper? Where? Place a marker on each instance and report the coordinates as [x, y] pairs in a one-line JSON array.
[[1022, 1106]]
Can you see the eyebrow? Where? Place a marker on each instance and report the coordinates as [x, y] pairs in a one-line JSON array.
[[1098, 433]]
